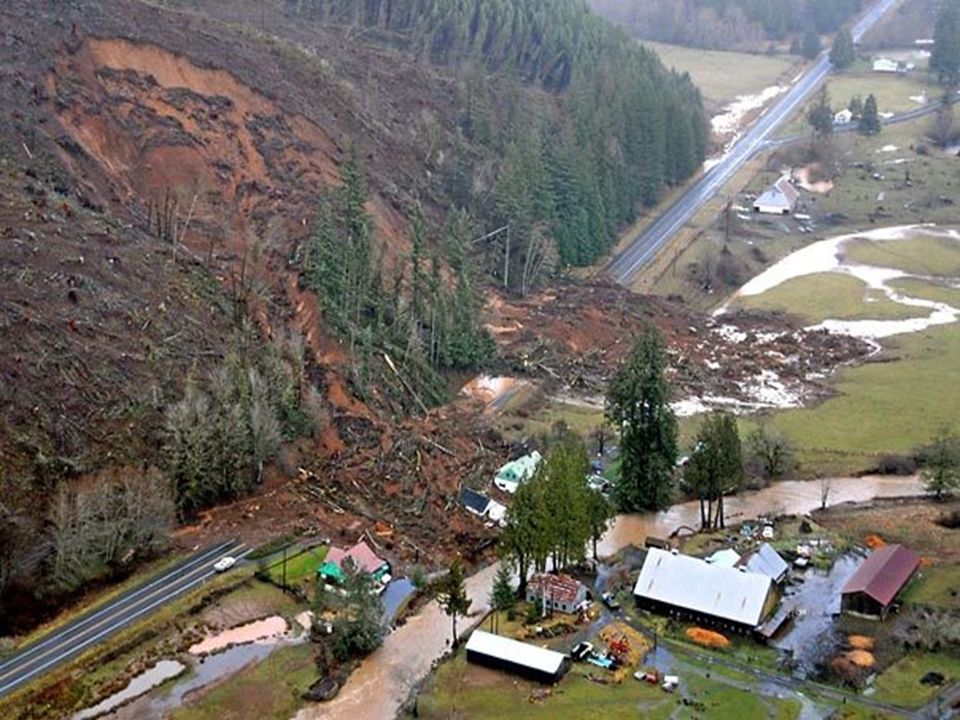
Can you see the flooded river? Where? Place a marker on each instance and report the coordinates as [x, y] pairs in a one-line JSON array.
[[384, 680], [788, 497]]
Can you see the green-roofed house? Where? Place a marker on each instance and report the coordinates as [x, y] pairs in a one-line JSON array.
[[518, 471], [365, 559]]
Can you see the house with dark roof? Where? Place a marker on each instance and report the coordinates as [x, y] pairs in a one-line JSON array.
[[780, 199], [689, 589], [877, 582], [560, 593], [482, 506], [764, 560]]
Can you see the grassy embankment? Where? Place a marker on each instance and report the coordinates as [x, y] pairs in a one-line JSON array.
[[457, 689]]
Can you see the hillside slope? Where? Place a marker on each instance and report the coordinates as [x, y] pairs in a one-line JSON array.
[[162, 167]]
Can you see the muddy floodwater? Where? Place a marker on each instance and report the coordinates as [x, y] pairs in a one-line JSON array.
[[812, 638], [788, 497], [384, 680]]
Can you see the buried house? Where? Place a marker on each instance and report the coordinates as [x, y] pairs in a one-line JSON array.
[[877, 582], [519, 658], [688, 588]]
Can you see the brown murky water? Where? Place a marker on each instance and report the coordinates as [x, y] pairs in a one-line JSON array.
[[792, 497], [380, 685], [384, 680]]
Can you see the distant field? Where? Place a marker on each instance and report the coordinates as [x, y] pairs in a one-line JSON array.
[[918, 256], [722, 76], [893, 91], [815, 298], [887, 407], [928, 290]]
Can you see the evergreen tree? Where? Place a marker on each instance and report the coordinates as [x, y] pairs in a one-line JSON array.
[[945, 58], [599, 511], [566, 502], [715, 467], [503, 597], [453, 598], [856, 106], [358, 629], [638, 404], [870, 120], [811, 45], [796, 48], [941, 464], [519, 539], [843, 52], [820, 116]]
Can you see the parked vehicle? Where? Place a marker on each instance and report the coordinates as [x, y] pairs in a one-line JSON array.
[[581, 651], [610, 601]]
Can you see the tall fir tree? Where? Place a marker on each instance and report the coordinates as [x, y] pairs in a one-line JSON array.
[[715, 467], [638, 403], [870, 119], [843, 52]]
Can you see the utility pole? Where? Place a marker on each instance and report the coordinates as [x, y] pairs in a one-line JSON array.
[[506, 254]]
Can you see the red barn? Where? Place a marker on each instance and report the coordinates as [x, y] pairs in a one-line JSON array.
[[876, 583]]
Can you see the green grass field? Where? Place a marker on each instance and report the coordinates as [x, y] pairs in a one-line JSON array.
[[900, 683], [815, 298], [885, 407], [459, 690], [270, 689], [928, 290], [937, 586], [893, 92], [919, 255], [722, 76], [299, 568]]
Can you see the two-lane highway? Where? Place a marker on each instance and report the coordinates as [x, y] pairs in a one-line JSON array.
[[100, 623], [648, 243]]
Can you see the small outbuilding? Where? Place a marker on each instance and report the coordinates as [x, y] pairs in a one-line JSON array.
[[560, 593], [764, 560], [885, 65], [482, 506], [780, 199], [843, 117], [877, 582], [519, 658]]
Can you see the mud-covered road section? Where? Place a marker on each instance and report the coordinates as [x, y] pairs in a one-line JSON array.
[[574, 336]]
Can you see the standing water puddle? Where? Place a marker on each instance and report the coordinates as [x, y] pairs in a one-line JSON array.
[[147, 680], [245, 645], [271, 627], [811, 638]]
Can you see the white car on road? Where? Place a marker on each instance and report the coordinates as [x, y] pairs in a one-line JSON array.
[[224, 563]]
